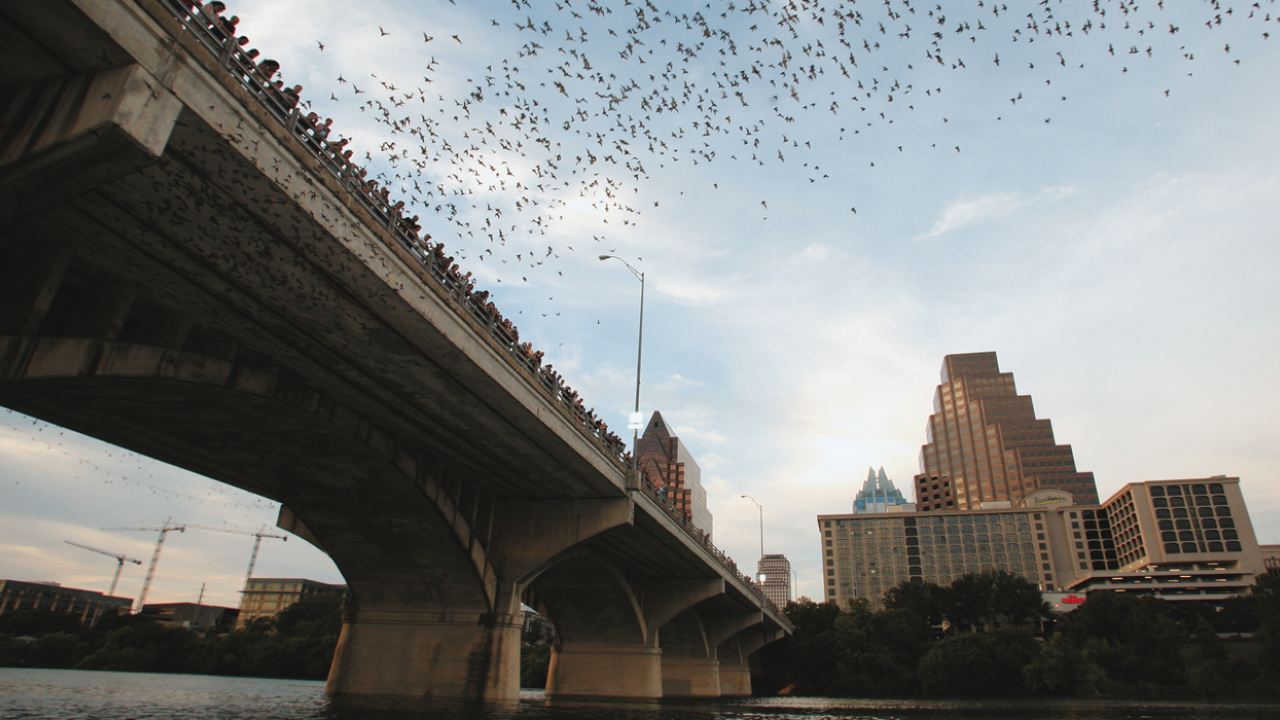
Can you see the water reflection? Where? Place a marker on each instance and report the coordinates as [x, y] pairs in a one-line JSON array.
[[68, 694]]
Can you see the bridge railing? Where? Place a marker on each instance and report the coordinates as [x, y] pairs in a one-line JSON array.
[[436, 269], [283, 106], [686, 523]]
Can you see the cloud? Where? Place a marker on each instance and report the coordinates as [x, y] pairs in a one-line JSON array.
[[958, 213]]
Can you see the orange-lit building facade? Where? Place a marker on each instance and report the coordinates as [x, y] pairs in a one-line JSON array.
[[674, 471], [985, 444]]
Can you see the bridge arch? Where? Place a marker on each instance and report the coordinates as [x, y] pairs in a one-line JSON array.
[[407, 533]]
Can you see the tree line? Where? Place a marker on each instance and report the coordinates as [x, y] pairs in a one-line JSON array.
[[298, 643], [1000, 639], [987, 634]]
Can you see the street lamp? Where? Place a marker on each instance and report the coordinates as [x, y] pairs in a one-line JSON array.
[[635, 429], [761, 509]]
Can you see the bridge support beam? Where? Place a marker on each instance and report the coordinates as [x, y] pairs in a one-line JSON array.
[[74, 134], [428, 655]]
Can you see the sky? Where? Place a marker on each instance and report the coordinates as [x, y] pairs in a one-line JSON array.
[[1099, 208]]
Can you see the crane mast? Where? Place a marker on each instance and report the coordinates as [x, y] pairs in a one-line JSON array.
[[155, 557], [257, 543], [120, 561]]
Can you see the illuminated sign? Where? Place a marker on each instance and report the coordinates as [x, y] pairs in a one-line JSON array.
[[1073, 599]]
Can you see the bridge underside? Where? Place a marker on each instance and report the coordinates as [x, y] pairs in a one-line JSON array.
[[178, 277]]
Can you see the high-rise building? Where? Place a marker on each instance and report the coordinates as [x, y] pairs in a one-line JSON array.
[[866, 554], [674, 471], [985, 444], [776, 571], [879, 495]]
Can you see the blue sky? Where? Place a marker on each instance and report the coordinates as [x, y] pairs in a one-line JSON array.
[[1116, 247]]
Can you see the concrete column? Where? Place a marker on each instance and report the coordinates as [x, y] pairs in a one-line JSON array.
[[691, 677], [605, 671], [72, 134], [734, 654], [428, 655], [735, 680]]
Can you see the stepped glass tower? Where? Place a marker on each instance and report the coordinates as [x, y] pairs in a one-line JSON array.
[[985, 444]]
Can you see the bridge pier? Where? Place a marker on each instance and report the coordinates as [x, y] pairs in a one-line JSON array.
[[428, 655], [603, 671], [734, 654]]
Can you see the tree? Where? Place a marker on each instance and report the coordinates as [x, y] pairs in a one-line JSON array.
[[976, 600], [812, 648], [978, 663], [924, 599]]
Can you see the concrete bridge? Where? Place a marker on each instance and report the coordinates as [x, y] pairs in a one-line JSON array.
[[188, 274]]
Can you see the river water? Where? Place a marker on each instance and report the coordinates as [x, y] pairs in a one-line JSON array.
[[70, 694]]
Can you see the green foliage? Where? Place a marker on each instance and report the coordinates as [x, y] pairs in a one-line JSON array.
[[1064, 666], [979, 600], [811, 651], [984, 664], [927, 600], [298, 643], [535, 661]]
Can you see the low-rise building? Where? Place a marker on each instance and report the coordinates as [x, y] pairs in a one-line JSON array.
[[203, 618], [265, 597], [89, 605]]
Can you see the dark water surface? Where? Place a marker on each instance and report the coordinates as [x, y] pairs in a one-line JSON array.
[[68, 694]]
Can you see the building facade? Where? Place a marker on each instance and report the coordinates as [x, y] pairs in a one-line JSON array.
[[265, 597], [674, 471], [878, 495], [865, 555], [1174, 539], [1270, 559], [776, 571], [984, 443], [1177, 540], [204, 618], [88, 605]]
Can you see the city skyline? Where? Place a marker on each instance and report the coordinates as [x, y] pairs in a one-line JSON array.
[[1118, 258]]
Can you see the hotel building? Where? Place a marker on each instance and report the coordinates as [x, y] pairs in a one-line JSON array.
[[1174, 539]]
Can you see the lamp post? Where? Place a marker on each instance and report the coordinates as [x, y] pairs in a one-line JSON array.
[[635, 430], [761, 509]]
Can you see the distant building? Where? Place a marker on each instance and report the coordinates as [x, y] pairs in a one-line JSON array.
[[674, 470], [265, 597], [89, 605], [1173, 539], [776, 571], [879, 495], [203, 618], [985, 444], [1270, 558]]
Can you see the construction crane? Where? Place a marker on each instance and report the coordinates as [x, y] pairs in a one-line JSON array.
[[257, 541], [120, 561], [155, 556]]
